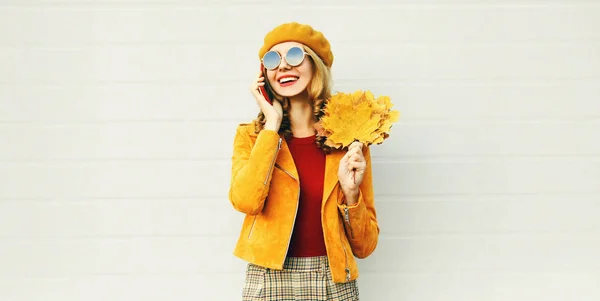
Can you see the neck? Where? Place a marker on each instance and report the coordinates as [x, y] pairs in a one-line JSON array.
[[301, 116]]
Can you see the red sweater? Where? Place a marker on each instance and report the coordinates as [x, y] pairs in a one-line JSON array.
[[307, 238]]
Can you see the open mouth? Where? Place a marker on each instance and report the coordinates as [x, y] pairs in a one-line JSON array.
[[288, 81]]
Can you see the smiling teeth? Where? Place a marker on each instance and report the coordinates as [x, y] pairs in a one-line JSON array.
[[287, 79]]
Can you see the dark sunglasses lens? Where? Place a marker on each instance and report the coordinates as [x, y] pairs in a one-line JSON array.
[[271, 60], [294, 56]]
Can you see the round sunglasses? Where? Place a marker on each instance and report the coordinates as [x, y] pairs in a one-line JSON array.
[[294, 57]]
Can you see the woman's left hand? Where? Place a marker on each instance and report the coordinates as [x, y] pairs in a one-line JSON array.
[[352, 168]]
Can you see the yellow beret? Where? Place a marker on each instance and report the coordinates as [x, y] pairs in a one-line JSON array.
[[301, 33]]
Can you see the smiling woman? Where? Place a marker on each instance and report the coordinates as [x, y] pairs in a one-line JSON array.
[[309, 209]]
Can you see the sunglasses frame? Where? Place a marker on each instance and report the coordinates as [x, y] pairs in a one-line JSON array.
[[304, 54]]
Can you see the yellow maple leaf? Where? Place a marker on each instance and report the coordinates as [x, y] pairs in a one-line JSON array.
[[389, 120], [357, 116]]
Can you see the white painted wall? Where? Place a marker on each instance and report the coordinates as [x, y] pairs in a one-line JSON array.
[[117, 120]]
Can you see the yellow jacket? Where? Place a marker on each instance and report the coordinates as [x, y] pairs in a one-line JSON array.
[[265, 186]]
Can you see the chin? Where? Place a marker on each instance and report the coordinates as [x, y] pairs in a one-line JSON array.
[[290, 93]]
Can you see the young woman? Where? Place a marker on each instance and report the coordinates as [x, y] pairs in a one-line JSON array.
[[309, 209]]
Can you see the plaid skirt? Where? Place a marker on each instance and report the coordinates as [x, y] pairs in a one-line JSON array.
[[302, 278]]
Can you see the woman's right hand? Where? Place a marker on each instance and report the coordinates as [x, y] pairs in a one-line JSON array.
[[273, 113]]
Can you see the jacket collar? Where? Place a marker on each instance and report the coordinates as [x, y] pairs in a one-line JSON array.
[[332, 162]]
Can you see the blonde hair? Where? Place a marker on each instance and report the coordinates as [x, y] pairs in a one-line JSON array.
[[319, 91]]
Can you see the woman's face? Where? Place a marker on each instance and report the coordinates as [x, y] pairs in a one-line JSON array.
[[286, 80]]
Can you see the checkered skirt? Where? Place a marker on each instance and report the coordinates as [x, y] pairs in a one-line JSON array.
[[302, 278]]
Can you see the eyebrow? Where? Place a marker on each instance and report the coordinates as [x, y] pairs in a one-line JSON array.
[[288, 49]]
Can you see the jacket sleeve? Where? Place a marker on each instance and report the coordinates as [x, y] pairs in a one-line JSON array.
[[252, 168], [360, 219]]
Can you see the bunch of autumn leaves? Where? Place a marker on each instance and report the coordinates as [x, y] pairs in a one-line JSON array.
[[357, 116]]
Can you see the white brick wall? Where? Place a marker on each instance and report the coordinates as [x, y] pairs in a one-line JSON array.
[[117, 119]]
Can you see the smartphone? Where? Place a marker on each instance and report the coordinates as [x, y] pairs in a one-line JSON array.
[[263, 89]]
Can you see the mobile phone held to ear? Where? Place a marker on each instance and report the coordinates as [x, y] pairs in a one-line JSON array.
[[262, 89]]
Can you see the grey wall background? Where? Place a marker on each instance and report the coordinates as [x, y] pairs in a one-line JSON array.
[[117, 120]]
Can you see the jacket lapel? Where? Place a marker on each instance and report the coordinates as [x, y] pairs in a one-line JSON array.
[[332, 163], [285, 159]]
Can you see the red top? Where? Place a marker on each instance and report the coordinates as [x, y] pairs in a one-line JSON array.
[[307, 238]]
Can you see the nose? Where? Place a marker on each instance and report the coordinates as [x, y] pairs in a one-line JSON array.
[[283, 65]]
